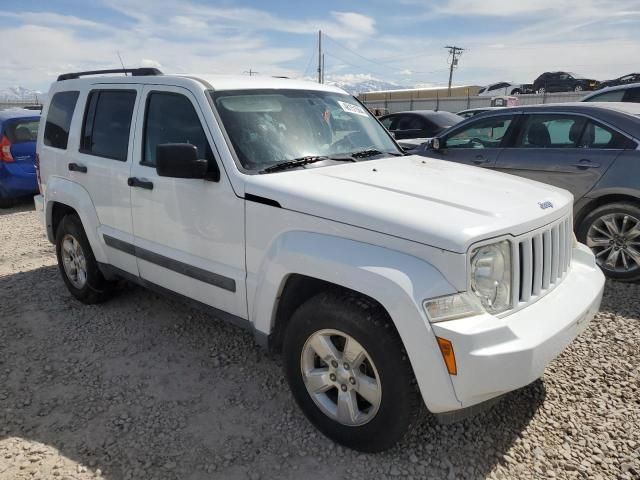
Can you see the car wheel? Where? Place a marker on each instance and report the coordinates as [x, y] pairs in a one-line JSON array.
[[517, 91], [613, 233], [541, 90], [348, 371], [77, 264], [578, 88]]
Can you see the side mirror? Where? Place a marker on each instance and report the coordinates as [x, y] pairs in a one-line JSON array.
[[180, 160], [437, 144]]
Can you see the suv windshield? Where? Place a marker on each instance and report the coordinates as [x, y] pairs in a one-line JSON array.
[[269, 127]]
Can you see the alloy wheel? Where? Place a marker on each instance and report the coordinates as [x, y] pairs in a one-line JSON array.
[[74, 261], [615, 240], [341, 377]]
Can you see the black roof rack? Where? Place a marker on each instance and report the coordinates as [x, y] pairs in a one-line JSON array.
[[136, 72]]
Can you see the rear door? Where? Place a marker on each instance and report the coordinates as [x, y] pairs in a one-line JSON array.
[[564, 150], [103, 163], [478, 142]]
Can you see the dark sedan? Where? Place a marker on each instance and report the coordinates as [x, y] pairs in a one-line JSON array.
[[624, 80], [563, 82], [419, 123], [590, 149]]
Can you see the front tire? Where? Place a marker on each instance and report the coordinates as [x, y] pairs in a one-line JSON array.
[[578, 88], [541, 90], [77, 264], [612, 231], [348, 371]]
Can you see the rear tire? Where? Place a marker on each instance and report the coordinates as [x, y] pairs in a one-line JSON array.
[[379, 390], [6, 202], [578, 88], [614, 240], [517, 91], [541, 90], [78, 265]]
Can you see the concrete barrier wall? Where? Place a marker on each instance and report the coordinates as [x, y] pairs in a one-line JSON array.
[[5, 105], [456, 104]]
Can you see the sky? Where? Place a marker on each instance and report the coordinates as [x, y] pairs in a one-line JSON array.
[[399, 41]]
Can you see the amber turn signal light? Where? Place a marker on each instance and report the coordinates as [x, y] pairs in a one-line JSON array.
[[446, 348]]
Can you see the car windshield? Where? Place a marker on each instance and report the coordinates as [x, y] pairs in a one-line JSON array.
[[269, 127], [576, 76]]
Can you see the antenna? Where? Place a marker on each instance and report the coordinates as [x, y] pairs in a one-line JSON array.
[[121, 62]]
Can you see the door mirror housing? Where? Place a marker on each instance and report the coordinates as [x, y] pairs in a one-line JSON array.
[[437, 144], [180, 160]]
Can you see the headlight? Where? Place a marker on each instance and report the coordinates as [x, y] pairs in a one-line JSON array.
[[491, 276]]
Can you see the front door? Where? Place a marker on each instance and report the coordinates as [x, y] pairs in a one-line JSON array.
[[567, 151], [477, 143], [189, 233]]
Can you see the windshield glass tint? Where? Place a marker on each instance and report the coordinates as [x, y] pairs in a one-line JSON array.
[[267, 127]]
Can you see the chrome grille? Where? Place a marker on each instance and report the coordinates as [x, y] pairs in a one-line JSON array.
[[542, 259]]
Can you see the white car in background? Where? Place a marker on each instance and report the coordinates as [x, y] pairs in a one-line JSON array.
[[504, 88]]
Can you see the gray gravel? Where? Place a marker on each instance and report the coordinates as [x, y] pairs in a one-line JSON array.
[[142, 387]]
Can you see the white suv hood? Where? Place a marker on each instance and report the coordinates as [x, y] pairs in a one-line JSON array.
[[434, 202]]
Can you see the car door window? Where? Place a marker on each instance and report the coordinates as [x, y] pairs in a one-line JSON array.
[[387, 122], [632, 95], [171, 118], [59, 115], [107, 123], [410, 122], [598, 136], [613, 96], [551, 131], [485, 133]]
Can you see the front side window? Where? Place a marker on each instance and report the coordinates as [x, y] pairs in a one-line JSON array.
[[268, 127], [171, 118], [59, 115], [107, 123], [484, 133], [551, 131]]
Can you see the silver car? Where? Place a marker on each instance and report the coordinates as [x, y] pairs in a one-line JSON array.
[[590, 149]]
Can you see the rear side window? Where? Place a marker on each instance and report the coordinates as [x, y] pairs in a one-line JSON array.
[[632, 95], [613, 96], [22, 131], [597, 136], [107, 123], [56, 130], [171, 118]]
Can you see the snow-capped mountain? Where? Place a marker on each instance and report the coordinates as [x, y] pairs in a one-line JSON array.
[[360, 83], [20, 94]]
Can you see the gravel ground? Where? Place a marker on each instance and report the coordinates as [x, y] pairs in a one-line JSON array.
[[142, 387]]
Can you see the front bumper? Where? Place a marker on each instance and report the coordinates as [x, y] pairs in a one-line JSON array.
[[498, 355]]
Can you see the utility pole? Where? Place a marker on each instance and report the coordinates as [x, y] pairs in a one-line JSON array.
[[319, 56], [323, 68], [454, 52], [251, 72]]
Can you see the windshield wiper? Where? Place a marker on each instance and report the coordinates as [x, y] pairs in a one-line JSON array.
[[370, 152], [298, 162]]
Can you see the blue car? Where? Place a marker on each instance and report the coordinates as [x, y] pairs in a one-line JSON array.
[[18, 135]]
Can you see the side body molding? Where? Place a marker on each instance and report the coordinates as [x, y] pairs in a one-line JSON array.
[[75, 196], [398, 281]]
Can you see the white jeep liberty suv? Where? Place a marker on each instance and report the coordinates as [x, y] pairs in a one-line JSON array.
[[386, 280]]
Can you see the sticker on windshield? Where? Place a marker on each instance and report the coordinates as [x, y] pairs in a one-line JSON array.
[[351, 108]]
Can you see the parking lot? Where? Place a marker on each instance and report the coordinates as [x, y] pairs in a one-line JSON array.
[[143, 387]]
